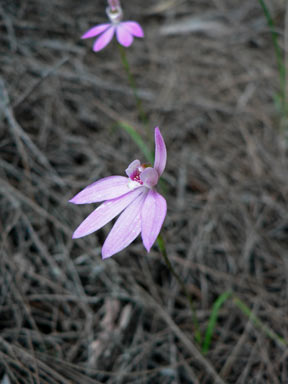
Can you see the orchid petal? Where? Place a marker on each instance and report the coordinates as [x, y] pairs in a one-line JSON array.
[[132, 167], [124, 36], [149, 177], [104, 39], [126, 228], [95, 31], [160, 152], [104, 189], [105, 213], [134, 28], [153, 214]]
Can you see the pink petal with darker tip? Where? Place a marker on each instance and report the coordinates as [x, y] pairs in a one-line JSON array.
[[126, 228], [124, 37], [160, 152], [105, 213], [95, 31], [134, 28], [104, 189], [104, 39], [153, 214]]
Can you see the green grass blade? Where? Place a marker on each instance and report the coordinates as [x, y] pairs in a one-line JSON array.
[[213, 319], [258, 323], [278, 52]]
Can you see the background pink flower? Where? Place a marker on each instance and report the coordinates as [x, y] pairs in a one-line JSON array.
[[125, 30], [143, 208]]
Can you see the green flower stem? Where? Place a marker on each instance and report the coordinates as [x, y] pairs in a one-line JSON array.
[[132, 83], [137, 138], [161, 245], [278, 54]]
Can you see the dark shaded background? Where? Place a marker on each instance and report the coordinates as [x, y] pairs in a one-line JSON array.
[[207, 76]]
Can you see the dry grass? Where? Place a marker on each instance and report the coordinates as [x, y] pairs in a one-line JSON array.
[[206, 74]]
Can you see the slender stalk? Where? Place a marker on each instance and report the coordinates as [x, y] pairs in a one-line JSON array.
[[132, 83], [161, 245]]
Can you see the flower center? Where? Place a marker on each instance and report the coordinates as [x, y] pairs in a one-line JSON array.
[[135, 175]]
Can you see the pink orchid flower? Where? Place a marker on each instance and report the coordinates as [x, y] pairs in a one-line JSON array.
[[125, 30], [143, 208]]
